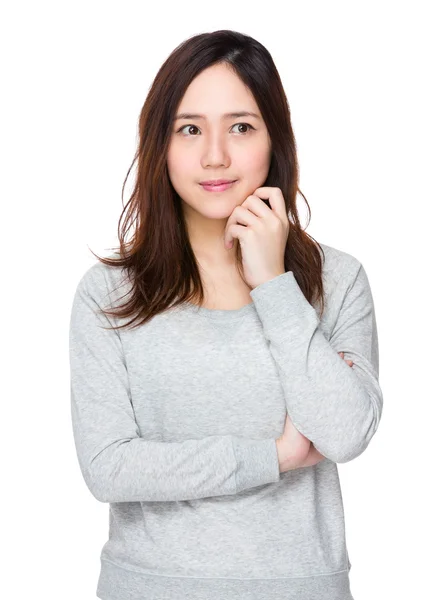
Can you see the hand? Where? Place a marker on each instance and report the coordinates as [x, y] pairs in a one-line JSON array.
[[349, 362], [295, 451], [262, 233]]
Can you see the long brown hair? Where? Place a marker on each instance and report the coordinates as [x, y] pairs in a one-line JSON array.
[[159, 258]]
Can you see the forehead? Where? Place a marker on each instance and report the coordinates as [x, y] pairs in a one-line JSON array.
[[217, 93]]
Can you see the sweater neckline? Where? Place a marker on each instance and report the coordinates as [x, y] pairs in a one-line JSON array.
[[221, 314]]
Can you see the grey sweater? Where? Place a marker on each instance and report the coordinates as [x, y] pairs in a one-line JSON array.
[[175, 426]]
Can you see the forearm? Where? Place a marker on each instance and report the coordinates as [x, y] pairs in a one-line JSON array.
[[292, 455]]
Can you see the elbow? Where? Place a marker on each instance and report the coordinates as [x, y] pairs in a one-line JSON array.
[[100, 494], [362, 430], [353, 452], [95, 485], [356, 436], [102, 476], [343, 453], [105, 476], [93, 480], [103, 491]]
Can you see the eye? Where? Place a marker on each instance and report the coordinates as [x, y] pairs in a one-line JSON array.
[[184, 126], [246, 124], [235, 125]]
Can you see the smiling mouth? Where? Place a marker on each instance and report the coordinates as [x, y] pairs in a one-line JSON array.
[[220, 182], [217, 188]]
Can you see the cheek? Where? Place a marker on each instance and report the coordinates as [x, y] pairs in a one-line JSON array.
[[254, 163], [180, 164]]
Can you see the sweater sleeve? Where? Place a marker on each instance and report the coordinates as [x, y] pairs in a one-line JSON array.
[[337, 407], [117, 464]]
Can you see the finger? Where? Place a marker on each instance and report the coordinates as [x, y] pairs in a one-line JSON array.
[[241, 217], [255, 205], [276, 200]]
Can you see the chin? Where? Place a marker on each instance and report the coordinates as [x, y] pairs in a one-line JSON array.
[[218, 212]]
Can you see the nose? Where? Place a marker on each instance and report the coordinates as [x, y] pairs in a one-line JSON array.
[[215, 152]]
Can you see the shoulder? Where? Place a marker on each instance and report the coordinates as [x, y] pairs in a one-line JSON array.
[[102, 282], [339, 267], [341, 272]]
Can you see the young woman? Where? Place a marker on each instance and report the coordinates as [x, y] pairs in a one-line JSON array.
[[222, 361]]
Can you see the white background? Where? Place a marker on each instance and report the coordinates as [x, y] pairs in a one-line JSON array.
[[362, 80]]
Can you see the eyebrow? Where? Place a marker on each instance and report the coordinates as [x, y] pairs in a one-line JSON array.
[[232, 115]]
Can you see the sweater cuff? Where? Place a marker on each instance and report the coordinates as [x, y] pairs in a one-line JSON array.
[[257, 462], [282, 306]]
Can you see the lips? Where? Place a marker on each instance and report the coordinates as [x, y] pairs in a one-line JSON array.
[[217, 181], [219, 187]]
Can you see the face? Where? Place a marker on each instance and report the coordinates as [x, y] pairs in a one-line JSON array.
[[215, 146]]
